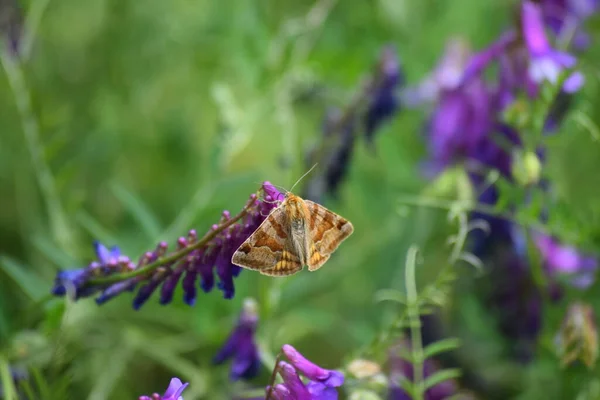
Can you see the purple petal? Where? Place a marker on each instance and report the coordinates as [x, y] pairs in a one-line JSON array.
[[189, 287], [311, 370], [272, 191], [176, 387], [102, 253], [320, 391], [293, 382], [574, 82], [533, 28]]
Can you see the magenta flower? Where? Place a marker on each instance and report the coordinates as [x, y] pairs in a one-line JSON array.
[[241, 345], [173, 392], [321, 384]]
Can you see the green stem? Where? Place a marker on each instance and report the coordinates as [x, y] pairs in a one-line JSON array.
[[415, 323], [171, 258], [7, 381], [31, 131], [273, 375], [481, 208], [35, 13]]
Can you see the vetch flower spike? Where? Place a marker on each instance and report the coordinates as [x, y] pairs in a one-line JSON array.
[[241, 345], [193, 259], [173, 392]]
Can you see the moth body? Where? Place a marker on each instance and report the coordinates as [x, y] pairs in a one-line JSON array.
[[298, 216]]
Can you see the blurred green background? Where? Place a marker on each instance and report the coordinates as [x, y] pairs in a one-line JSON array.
[[151, 117]]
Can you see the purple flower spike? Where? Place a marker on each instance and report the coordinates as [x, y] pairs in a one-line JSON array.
[[546, 63], [189, 259], [241, 346], [312, 371], [173, 392]]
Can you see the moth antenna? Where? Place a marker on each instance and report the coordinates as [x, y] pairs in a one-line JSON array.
[[302, 177]]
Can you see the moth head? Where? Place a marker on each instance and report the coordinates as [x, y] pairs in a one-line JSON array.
[[296, 210]]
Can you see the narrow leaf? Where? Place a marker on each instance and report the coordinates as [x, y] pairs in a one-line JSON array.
[[8, 386], [441, 376], [138, 209], [441, 346], [33, 286]]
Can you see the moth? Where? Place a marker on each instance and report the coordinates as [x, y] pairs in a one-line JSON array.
[[297, 233]]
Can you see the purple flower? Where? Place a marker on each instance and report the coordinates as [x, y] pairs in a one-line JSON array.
[[383, 102], [401, 370], [241, 346], [194, 259], [562, 259], [108, 261], [321, 385], [11, 24], [566, 17], [329, 378], [176, 387], [461, 124], [448, 75], [341, 135], [546, 63]]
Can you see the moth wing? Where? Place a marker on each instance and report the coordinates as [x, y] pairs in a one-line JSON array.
[[327, 230], [268, 249]]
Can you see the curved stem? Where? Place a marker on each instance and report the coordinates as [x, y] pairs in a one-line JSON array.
[[171, 258], [415, 324], [273, 375]]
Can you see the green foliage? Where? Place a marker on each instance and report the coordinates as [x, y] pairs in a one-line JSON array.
[[132, 121]]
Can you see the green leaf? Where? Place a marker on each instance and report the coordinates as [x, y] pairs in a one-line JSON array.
[[7, 381], [441, 346], [33, 286], [94, 227], [441, 376], [138, 210], [390, 295]]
